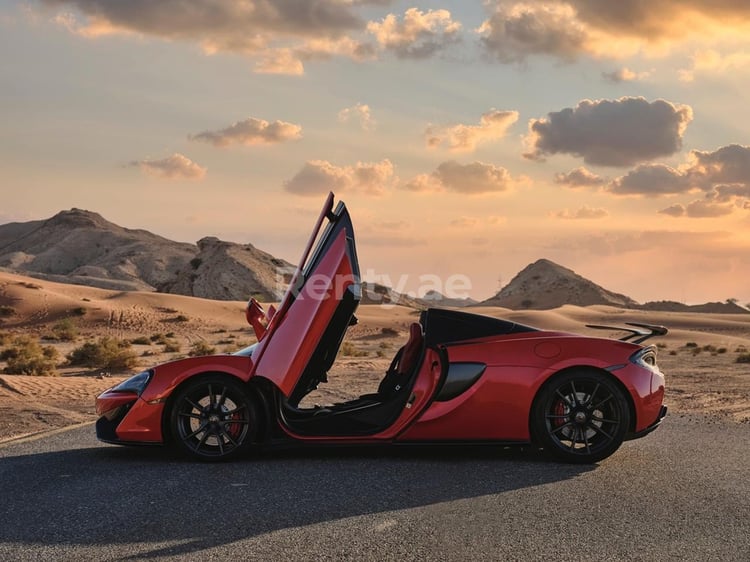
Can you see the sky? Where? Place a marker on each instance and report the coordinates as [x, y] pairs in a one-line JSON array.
[[468, 138]]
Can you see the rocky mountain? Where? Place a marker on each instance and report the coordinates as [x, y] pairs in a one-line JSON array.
[[545, 284], [83, 248], [228, 271]]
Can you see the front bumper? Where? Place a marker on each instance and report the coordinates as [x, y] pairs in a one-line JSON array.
[[126, 419]]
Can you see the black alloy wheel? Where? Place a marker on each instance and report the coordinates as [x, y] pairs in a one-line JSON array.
[[580, 417], [212, 418]]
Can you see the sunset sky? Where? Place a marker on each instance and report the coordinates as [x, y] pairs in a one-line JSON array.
[[466, 137]]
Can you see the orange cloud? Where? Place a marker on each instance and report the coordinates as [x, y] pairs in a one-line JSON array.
[[251, 131], [418, 35], [493, 125], [320, 176], [174, 167]]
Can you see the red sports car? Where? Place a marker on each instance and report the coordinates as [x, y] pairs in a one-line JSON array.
[[459, 378]]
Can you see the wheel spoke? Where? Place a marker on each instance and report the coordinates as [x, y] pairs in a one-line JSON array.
[[211, 403], [591, 396], [600, 430], [190, 415], [602, 402], [557, 416], [225, 432], [575, 394], [220, 441], [222, 397], [564, 398], [237, 409], [202, 441], [585, 441], [563, 426], [604, 420], [193, 404], [196, 432]]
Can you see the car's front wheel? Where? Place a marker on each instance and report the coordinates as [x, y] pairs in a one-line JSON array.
[[212, 418], [580, 417]]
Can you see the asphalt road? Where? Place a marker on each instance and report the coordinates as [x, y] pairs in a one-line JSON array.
[[682, 493]]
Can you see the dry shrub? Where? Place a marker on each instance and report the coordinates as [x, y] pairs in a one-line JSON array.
[[107, 353], [27, 357], [201, 348]]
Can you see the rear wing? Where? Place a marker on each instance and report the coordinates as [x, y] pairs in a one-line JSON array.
[[638, 334]]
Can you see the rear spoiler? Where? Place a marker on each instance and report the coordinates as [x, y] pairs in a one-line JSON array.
[[641, 332]]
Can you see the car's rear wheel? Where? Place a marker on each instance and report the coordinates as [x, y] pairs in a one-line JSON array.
[[213, 418], [580, 417]]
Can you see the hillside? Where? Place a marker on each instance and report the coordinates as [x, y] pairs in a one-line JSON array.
[[544, 285], [83, 248]]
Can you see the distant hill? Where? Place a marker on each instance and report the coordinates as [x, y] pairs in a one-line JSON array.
[[83, 248], [437, 299], [544, 285]]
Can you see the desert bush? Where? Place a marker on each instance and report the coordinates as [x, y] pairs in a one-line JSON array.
[[348, 350], [6, 311], [691, 344], [181, 318], [169, 335], [171, 347], [65, 330], [4, 338], [79, 311], [141, 340], [673, 352], [201, 348], [27, 357], [107, 353], [384, 345], [721, 350], [389, 331], [709, 348], [744, 358], [741, 349]]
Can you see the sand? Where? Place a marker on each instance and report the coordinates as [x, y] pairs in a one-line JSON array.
[[698, 356]]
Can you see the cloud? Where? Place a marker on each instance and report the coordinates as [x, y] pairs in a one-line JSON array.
[[712, 61], [361, 112], [728, 165], [514, 32], [319, 176], [568, 29], [282, 34], [723, 174], [464, 138], [652, 180], [620, 132], [418, 35], [476, 178], [175, 167], [464, 222], [580, 177], [700, 208], [624, 74], [251, 131], [584, 212]]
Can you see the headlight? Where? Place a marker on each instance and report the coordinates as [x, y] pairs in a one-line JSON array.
[[136, 383], [645, 358]]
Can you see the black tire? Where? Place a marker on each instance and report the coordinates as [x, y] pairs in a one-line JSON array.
[[213, 418], [580, 417]]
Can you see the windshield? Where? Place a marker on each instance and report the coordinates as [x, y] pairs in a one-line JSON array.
[[246, 351]]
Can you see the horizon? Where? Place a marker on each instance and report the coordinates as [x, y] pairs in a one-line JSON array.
[[467, 138], [428, 282]]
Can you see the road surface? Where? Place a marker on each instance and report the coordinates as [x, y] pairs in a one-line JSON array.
[[682, 493]]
